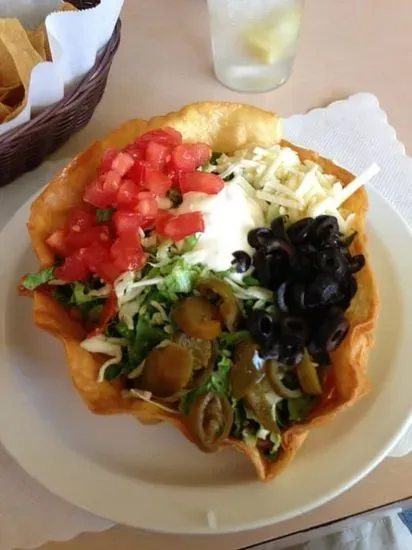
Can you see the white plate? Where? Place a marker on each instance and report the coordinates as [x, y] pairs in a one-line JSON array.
[[150, 477]]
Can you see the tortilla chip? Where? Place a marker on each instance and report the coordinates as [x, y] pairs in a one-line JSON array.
[[9, 76], [12, 96], [66, 6], [16, 42], [38, 41], [225, 127], [5, 110]]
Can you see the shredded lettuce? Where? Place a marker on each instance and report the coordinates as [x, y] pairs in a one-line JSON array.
[[229, 339], [146, 337], [189, 244], [239, 417], [83, 294], [299, 407], [119, 329], [180, 280], [276, 439], [246, 426], [220, 378], [34, 280], [250, 281], [112, 372], [219, 381]]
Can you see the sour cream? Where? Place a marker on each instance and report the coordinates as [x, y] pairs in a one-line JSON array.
[[228, 216]]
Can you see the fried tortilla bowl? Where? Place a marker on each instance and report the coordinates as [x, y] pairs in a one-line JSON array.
[[226, 127]]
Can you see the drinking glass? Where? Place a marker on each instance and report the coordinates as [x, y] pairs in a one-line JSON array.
[[254, 42]]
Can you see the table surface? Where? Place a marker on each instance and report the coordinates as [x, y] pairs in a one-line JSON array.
[[164, 62]]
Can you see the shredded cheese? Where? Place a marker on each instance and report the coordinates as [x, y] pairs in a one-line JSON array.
[[107, 346], [283, 185]]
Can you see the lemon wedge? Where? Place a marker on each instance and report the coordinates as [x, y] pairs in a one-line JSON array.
[[270, 40]]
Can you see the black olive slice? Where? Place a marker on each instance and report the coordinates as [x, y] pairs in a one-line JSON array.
[[241, 261], [332, 261], [356, 263], [326, 230], [281, 297], [300, 231], [296, 326], [258, 238], [261, 325], [323, 291], [332, 330], [278, 229]]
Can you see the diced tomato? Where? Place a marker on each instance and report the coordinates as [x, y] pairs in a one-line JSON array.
[[74, 268], [163, 216], [127, 253], [137, 172], [189, 156], [99, 260], [127, 221], [108, 157], [135, 152], [202, 152], [122, 163], [111, 182], [101, 192], [175, 137], [81, 218], [181, 226], [201, 182], [161, 219], [157, 183], [109, 311], [145, 194], [165, 136], [95, 194], [175, 176], [147, 206], [57, 242], [183, 158], [82, 239], [157, 155], [127, 194]]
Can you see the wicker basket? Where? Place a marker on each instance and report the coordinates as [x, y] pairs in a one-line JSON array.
[[25, 147]]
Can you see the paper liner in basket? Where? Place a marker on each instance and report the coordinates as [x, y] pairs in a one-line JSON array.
[[74, 40], [225, 127]]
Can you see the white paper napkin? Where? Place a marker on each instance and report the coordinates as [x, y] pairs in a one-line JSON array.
[[355, 133], [76, 38]]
